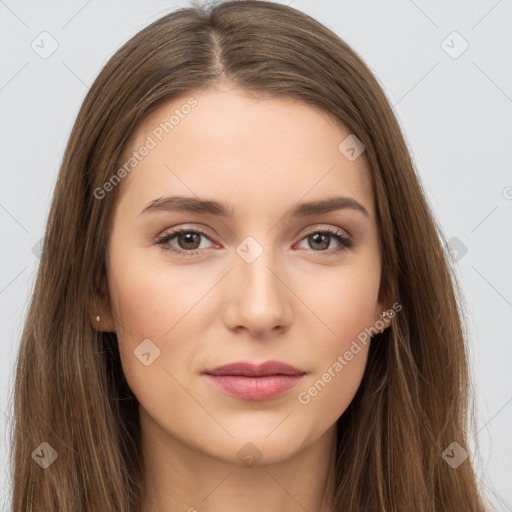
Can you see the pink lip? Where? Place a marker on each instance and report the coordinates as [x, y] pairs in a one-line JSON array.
[[255, 382]]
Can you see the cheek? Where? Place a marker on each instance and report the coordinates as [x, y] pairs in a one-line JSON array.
[[347, 308], [141, 304], [345, 302], [340, 365], [146, 308], [151, 297], [152, 301]]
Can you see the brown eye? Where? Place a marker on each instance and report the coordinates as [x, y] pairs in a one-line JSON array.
[[188, 241], [320, 240]]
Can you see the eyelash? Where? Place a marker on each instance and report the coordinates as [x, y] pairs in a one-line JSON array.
[[345, 242]]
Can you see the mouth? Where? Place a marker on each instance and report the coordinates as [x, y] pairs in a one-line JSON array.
[[249, 381]]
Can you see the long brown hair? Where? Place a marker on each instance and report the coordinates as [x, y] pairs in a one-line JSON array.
[[70, 391]]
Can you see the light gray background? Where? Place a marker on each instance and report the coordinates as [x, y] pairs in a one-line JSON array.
[[455, 113]]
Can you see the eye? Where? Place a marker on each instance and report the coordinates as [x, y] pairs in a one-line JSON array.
[[321, 239], [189, 238], [189, 241]]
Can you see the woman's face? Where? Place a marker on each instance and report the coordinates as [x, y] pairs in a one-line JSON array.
[[262, 284]]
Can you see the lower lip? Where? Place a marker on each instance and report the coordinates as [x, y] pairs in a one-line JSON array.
[[254, 388]]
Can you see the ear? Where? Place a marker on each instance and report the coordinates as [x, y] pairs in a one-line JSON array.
[[384, 304], [103, 310]]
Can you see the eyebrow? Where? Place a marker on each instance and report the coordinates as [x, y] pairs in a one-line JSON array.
[[210, 207]]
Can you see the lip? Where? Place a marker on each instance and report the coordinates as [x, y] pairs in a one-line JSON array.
[[248, 369], [250, 381]]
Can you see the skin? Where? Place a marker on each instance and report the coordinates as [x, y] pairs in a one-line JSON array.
[[295, 303]]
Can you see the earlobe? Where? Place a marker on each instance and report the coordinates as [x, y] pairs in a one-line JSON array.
[[384, 311], [102, 318], [384, 316]]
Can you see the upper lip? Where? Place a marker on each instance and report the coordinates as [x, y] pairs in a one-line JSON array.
[[255, 370]]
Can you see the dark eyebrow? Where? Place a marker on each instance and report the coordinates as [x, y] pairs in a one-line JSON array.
[[210, 207]]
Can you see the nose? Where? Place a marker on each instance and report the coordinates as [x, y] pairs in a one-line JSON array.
[[258, 299]]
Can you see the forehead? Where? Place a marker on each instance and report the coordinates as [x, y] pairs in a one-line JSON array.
[[242, 149]]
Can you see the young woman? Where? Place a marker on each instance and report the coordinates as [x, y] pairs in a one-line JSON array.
[[243, 301]]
